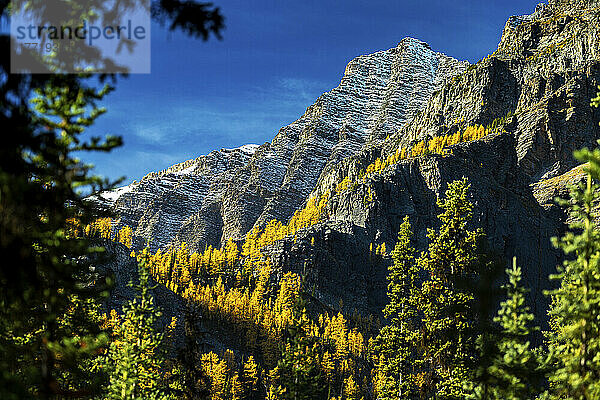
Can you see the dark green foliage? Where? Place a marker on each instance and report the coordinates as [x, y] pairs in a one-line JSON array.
[[136, 358], [515, 370], [394, 346], [48, 302], [300, 375], [575, 310], [428, 348], [199, 20], [447, 300], [195, 19], [45, 282]]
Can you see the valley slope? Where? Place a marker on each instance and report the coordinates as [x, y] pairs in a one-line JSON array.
[[535, 90]]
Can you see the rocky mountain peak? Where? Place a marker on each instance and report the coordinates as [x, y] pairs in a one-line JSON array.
[[531, 95], [572, 5], [222, 195]]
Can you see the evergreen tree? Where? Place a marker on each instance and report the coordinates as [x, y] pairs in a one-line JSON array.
[[351, 390], [46, 283], [394, 347], [299, 373], [447, 301], [135, 358], [515, 371], [46, 286], [575, 309], [429, 347], [251, 377], [237, 389]]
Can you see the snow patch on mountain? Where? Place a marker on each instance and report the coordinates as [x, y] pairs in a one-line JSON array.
[[112, 195]]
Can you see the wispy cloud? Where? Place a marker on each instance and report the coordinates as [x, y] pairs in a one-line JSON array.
[[304, 89], [255, 117], [151, 132], [194, 124], [159, 134]]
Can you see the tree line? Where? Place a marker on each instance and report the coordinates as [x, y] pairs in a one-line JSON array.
[[439, 340]]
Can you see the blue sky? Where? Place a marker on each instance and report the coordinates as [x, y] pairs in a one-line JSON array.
[[275, 59]]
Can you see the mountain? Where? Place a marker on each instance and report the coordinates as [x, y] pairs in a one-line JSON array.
[[222, 195], [538, 84], [533, 93]]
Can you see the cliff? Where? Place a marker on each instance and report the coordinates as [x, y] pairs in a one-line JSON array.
[[534, 90]]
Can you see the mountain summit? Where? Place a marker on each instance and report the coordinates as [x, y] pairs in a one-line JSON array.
[[385, 143], [224, 194]]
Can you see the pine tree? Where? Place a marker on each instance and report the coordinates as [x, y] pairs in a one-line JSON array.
[[45, 281], [394, 346], [45, 277], [125, 236], [328, 368], [351, 389], [237, 389], [218, 389], [298, 368], [447, 301], [575, 309], [515, 370], [251, 377]]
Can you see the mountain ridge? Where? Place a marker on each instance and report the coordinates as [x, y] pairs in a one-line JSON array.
[[230, 193], [534, 90]]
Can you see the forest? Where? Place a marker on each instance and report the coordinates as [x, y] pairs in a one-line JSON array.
[[457, 323], [437, 337]]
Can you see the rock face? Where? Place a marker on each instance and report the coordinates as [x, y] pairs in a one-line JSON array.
[[224, 194], [538, 84], [339, 262]]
